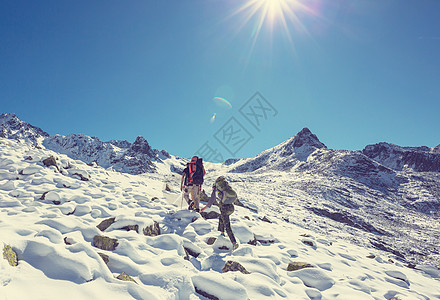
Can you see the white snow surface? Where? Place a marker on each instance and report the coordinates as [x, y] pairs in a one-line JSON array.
[[48, 268]]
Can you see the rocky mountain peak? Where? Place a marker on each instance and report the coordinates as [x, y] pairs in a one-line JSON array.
[[141, 146], [306, 137], [12, 127]]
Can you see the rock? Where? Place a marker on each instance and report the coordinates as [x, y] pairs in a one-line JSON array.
[[10, 256], [191, 252], [167, 188], [28, 158], [68, 241], [105, 224], [51, 161], [43, 196], [194, 219], [124, 277], [186, 254], [152, 230], [253, 242], [154, 198], [83, 178], [56, 202], [131, 227], [371, 256], [211, 240], [294, 266], [309, 242], [265, 219], [234, 266], [205, 294], [105, 243], [211, 215], [104, 257]]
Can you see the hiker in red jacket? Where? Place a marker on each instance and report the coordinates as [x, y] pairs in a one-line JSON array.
[[192, 180]]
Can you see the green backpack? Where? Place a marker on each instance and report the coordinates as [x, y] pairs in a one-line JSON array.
[[226, 193]]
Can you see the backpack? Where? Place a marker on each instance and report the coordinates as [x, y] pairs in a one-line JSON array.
[[196, 171], [226, 194]]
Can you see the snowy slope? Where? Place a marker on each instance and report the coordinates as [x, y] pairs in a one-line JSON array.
[[284, 156], [53, 236], [134, 158], [419, 159]]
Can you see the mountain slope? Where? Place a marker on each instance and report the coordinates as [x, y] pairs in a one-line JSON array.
[[284, 156], [123, 156], [419, 159], [54, 221]]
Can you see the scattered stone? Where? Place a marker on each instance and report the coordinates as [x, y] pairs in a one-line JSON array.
[[253, 242], [310, 243], [105, 243], [412, 266], [125, 277], [43, 196], [56, 202], [51, 161], [68, 241], [211, 215], [294, 266], [194, 219], [247, 218], [28, 158], [234, 266], [152, 230], [105, 224], [93, 164], [191, 252], [391, 261], [10, 256], [131, 227], [104, 257], [167, 188], [205, 294], [371, 256], [286, 219], [211, 240], [265, 219], [83, 178], [154, 198], [223, 248], [305, 235]]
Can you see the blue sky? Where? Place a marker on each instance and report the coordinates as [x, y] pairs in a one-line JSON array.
[[354, 72]]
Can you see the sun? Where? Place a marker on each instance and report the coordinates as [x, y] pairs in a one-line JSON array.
[[272, 16]]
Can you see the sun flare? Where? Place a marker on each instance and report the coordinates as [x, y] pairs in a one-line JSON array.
[[273, 17]]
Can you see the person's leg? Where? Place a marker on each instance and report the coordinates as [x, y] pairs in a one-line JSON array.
[[193, 194], [197, 196], [226, 210], [186, 195], [221, 226]]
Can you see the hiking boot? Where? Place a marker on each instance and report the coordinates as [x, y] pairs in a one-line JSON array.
[[197, 210], [234, 246]]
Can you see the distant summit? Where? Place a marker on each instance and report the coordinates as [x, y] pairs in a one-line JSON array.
[[285, 155], [11, 127], [419, 159], [121, 156]]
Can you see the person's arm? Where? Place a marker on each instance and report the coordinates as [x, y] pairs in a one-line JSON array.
[[211, 200]]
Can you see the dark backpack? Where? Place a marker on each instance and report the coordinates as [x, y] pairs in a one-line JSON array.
[[196, 171]]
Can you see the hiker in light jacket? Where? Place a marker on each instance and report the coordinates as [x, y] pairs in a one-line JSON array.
[[225, 196]]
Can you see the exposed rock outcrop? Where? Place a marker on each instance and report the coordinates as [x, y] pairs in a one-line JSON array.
[[105, 243]]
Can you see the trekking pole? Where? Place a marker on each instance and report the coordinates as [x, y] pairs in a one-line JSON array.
[[181, 201]]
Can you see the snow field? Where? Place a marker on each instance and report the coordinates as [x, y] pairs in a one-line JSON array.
[[38, 228]]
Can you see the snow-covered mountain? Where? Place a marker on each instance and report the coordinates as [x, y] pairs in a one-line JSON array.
[[12, 127], [382, 196], [284, 156], [123, 156], [79, 231], [420, 159]]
